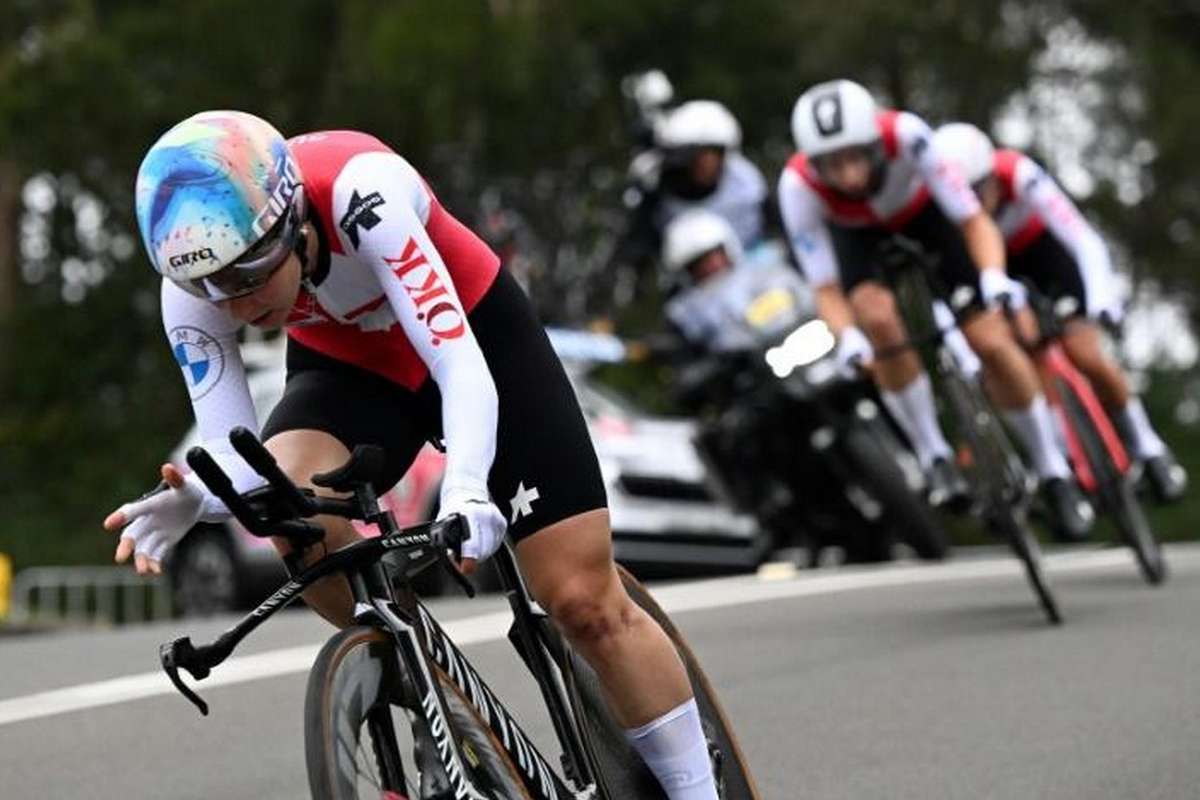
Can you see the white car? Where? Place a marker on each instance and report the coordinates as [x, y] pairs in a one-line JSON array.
[[665, 519]]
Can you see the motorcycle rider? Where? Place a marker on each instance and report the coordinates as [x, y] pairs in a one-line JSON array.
[[696, 163], [1053, 246], [699, 247], [862, 175]]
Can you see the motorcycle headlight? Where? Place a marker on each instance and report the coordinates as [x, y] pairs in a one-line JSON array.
[[808, 343], [821, 373]]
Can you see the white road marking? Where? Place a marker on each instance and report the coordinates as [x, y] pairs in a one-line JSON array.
[[675, 599]]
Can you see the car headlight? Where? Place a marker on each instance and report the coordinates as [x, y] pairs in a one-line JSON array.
[[808, 343]]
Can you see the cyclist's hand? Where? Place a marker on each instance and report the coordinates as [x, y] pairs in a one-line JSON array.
[[854, 350], [485, 523], [152, 524], [1000, 290]]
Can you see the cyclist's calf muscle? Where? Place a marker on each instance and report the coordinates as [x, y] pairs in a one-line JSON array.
[[569, 569], [1081, 340]]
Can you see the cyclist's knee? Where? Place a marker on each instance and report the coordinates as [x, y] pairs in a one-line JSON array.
[[590, 609], [875, 309], [990, 339]]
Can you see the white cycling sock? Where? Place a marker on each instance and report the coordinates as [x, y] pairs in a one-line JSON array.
[[1145, 443], [914, 410], [674, 748], [1035, 427]]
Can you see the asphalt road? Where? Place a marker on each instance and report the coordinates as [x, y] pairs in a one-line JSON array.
[[902, 682]]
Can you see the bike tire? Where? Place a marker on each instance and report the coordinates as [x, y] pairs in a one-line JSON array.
[[1025, 545], [1116, 491], [621, 773], [351, 689], [904, 511], [1003, 490]]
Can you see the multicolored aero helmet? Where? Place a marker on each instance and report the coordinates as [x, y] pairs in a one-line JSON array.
[[220, 202]]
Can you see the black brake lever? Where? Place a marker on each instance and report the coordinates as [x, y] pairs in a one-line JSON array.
[[447, 535], [181, 653]]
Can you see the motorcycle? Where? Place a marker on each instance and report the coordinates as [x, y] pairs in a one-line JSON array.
[[789, 436]]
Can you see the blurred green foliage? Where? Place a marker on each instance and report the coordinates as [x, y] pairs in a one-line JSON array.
[[511, 99]]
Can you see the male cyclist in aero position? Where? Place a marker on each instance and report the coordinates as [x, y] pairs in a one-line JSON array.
[[401, 327], [862, 175], [1051, 244]]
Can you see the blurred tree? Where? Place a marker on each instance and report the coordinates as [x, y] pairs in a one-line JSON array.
[[506, 105]]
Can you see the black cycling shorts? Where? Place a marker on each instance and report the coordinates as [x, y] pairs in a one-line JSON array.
[[857, 250], [1053, 270], [544, 460]]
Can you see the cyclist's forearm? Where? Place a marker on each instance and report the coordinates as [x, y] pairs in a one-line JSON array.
[[834, 308], [984, 242]]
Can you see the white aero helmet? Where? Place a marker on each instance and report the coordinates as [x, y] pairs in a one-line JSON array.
[[694, 233], [651, 89], [833, 115], [699, 123], [970, 147]]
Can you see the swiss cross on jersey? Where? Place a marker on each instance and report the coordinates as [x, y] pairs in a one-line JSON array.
[[361, 212], [435, 305]]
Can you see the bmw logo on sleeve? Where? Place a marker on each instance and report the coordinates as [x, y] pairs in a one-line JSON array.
[[200, 357]]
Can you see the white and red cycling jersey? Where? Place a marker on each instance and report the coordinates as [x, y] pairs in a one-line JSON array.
[[915, 174], [1032, 205], [403, 275]]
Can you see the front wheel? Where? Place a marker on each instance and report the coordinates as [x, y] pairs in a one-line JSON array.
[[353, 728], [622, 773], [1025, 545]]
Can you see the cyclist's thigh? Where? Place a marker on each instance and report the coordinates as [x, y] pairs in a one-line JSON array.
[[303, 452], [956, 270], [857, 251], [545, 469], [327, 403], [1053, 270]]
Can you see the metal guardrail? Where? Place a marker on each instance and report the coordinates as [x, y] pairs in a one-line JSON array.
[[88, 595]]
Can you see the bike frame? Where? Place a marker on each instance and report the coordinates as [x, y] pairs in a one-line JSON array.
[[916, 267], [1057, 370], [419, 640]]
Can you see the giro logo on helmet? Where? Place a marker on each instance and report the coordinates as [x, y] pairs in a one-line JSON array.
[[435, 306], [281, 196], [827, 113], [192, 257]]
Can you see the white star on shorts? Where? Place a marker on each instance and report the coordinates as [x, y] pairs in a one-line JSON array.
[[522, 502]]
